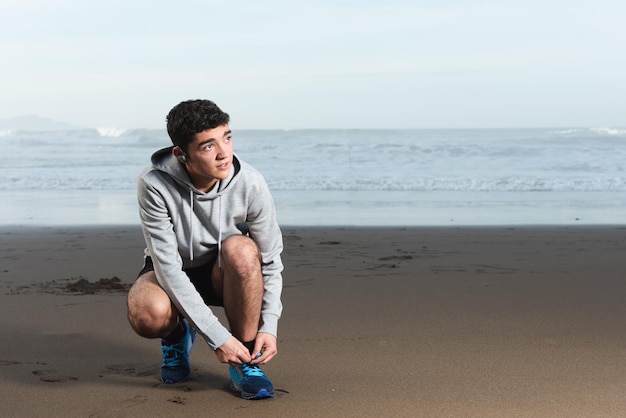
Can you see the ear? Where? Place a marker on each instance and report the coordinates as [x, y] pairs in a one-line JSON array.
[[179, 154]]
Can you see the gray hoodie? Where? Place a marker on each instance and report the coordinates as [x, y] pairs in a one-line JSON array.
[[184, 228]]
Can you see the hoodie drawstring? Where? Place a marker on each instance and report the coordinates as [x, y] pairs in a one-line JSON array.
[[191, 224], [219, 234]]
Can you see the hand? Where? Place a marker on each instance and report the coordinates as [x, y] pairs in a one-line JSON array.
[[233, 352], [265, 344]]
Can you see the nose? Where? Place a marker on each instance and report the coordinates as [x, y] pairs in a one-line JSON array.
[[222, 151]]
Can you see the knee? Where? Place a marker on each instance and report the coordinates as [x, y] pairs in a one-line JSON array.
[[151, 320], [241, 252]]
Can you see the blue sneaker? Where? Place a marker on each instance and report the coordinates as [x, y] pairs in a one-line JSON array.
[[250, 381], [175, 367]]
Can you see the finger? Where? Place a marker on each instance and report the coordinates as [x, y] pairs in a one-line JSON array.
[[244, 357], [258, 358], [266, 357], [258, 347]]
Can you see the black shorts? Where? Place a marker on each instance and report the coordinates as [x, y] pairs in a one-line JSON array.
[[200, 277]]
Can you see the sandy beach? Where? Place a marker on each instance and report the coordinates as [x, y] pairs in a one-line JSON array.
[[402, 322]]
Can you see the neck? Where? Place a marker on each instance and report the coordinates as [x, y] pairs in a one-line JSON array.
[[205, 188]]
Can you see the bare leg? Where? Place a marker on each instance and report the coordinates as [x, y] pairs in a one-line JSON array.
[[240, 282], [150, 311]]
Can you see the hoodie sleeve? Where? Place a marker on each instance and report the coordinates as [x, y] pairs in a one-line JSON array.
[[264, 230], [162, 246]]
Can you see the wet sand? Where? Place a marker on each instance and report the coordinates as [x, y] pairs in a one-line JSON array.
[[484, 322]]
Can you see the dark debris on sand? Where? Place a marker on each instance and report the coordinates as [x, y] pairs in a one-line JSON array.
[[85, 287], [76, 286]]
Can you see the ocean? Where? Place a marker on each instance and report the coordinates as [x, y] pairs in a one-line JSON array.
[[558, 176]]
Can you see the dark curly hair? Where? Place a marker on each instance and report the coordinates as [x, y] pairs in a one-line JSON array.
[[190, 117]]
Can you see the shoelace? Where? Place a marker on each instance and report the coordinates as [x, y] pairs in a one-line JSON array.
[[251, 370], [172, 354]]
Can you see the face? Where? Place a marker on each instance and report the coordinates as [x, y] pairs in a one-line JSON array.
[[209, 157]]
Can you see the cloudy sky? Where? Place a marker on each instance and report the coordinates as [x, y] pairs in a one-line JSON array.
[[317, 64]]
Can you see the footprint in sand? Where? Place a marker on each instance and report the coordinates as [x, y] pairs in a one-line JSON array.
[[50, 376], [298, 283], [131, 370], [396, 257]]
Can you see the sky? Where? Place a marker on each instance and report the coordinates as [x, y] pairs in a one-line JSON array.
[[289, 64]]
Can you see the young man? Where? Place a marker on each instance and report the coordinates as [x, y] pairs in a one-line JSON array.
[[212, 239]]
